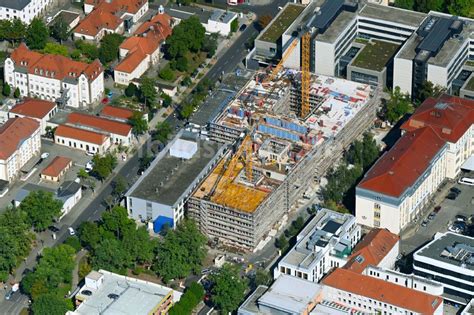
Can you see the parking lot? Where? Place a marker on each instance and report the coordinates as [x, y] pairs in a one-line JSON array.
[[462, 205], [78, 157]]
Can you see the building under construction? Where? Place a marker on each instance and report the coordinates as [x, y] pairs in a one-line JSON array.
[[276, 155]]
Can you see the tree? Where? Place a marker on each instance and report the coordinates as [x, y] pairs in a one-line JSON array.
[[50, 304], [148, 91], [281, 242], [37, 34], [16, 94], [228, 289], [189, 300], [428, 89], [262, 277], [119, 186], [145, 161], [186, 111], [210, 45], [59, 29], [6, 89], [181, 252], [264, 20], [131, 90], [430, 5], [167, 74], [138, 122], [55, 49], [103, 166], [182, 64], [397, 106], [82, 174], [461, 8], [405, 4], [89, 234], [234, 25], [189, 35], [109, 47], [166, 99], [12, 30], [90, 51], [162, 132], [41, 208]]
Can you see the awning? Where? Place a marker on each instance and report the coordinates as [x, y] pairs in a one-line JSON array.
[[468, 166]]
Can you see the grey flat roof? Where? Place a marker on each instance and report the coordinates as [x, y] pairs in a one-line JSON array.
[[136, 297], [328, 10], [14, 4], [291, 294], [220, 98], [222, 16], [337, 26], [67, 16], [169, 177], [392, 14], [434, 249], [250, 305], [184, 12]]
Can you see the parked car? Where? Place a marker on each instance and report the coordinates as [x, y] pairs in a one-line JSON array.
[[454, 229], [437, 209], [431, 216], [455, 190], [53, 229], [460, 218], [243, 27], [424, 223], [44, 155], [451, 196], [71, 231]]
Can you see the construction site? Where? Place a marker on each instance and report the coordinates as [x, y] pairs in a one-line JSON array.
[[281, 140]]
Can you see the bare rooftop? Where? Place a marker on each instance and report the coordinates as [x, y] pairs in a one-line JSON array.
[[392, 14], [337, 26], [375, 55]]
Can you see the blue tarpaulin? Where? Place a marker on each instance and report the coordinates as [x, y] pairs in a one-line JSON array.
[[160, 221]]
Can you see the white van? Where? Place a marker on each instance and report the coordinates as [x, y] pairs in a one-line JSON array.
[[466, 181]]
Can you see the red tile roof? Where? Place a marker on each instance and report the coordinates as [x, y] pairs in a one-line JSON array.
[[399, 168], [146, 41], [100, 123], [383, 291], [450, 116], [14, 132], [117, 112], [116, 6], [80, 134], [373, 248], [96, 21], [54, 66], [33, 108], [57, 165]]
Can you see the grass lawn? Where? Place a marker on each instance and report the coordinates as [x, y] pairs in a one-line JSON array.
[[375, 55], [281, 23]]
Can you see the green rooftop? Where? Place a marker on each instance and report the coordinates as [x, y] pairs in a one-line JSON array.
[[470, 84], [375, 55], [281, 23]]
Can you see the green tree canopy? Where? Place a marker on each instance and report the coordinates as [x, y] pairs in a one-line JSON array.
[[41, 208], [37, 34], [12, 30], [189, 35], [428, 89], [55, 49], [138, 122], [131, 90], [148, 91], [398, 105], [103, 165], [6, 89], [162, 132], [16, 93], [59, 29], [109, 47], [228, 289], [405, 4], [461, 8], [90, 51], [51, 304]]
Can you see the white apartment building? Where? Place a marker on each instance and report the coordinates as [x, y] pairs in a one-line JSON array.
[[54, 78], [24, 10], [326, 242], [19, 142], [437, 140], [448, 259]]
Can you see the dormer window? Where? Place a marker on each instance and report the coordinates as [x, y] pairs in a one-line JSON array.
[[41, 71], [36, 70]]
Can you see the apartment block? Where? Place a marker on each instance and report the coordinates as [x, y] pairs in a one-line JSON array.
[[24, 10], [54, 78]]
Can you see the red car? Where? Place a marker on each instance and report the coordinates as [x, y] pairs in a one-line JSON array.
[[105, 100]]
